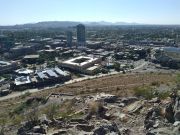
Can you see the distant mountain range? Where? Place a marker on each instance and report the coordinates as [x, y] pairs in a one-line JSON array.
[[56, 24]]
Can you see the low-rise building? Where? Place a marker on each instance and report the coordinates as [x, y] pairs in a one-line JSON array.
[[30, 59], [6, 67], [24, 71], [81, 63], [41, 78], [52, 76]]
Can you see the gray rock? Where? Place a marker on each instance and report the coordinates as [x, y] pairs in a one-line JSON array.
[[107, 129], [45, 120], [149, 133], [84, 127], [176, 123], [129, 100], [169, 113], [150, 119], [125, 131], [26, 126], [155, 100], [177, 115], [40, 129], [79, 121], [176, 131], [61, 132]]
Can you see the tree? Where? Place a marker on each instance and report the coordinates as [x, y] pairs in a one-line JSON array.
[[117, 67]]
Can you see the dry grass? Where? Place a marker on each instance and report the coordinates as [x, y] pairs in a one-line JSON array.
[[109, 84], [121, 85]]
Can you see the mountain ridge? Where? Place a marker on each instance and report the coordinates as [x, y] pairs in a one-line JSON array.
[[56, 24]]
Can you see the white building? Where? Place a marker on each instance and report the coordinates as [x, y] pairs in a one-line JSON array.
[[82, 64]]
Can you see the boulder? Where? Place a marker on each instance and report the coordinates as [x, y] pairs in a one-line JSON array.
[[151, 118], [135, 107], [107, 129], [149, 123], [84, 127], [61, 132], [125, 131], [33, 134], [44, 120], [161, 131], [129, 100], [155, 100], [177, 115], [26, 126], [79, 121], [176, 123], [176, 130], [169, 113], [40, 129], [149, 133]]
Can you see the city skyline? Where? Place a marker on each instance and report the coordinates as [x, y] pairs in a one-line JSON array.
[[139, 11]]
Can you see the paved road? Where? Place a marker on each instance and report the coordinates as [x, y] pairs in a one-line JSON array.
[[17, 94]]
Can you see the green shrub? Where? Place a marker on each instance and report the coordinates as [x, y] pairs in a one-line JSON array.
[[164, 95], [144, 91], [149, 93], [155, 83]]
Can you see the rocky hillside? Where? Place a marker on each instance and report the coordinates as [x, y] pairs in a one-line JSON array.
[[143, 104], [102, 114]]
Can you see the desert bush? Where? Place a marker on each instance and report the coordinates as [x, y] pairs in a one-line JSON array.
[[164, 95], [149, 93], [144, 91], [52, 110], [155, 83], [95, 107]]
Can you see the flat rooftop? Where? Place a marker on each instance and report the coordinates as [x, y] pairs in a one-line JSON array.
[[24, 71], [22, 80], [31, 56], [80, 61], [4, 63]]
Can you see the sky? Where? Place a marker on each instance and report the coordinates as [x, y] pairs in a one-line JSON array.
[[139, 11]]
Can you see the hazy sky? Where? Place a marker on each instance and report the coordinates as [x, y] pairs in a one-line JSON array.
[[140, 11]]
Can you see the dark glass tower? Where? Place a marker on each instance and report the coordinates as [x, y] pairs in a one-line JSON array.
[[81, 35], [69, 38]]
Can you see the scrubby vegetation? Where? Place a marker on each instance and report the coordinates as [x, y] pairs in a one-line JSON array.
[[148, 92]]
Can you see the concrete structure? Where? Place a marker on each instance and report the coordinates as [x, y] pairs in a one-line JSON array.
[[81, 35], [24, 71], [22, 50], [81, 63], [30, 59], [23, 80]]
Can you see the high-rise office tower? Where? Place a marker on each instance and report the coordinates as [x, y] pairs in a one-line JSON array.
[[69, 38], [81, 35]]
